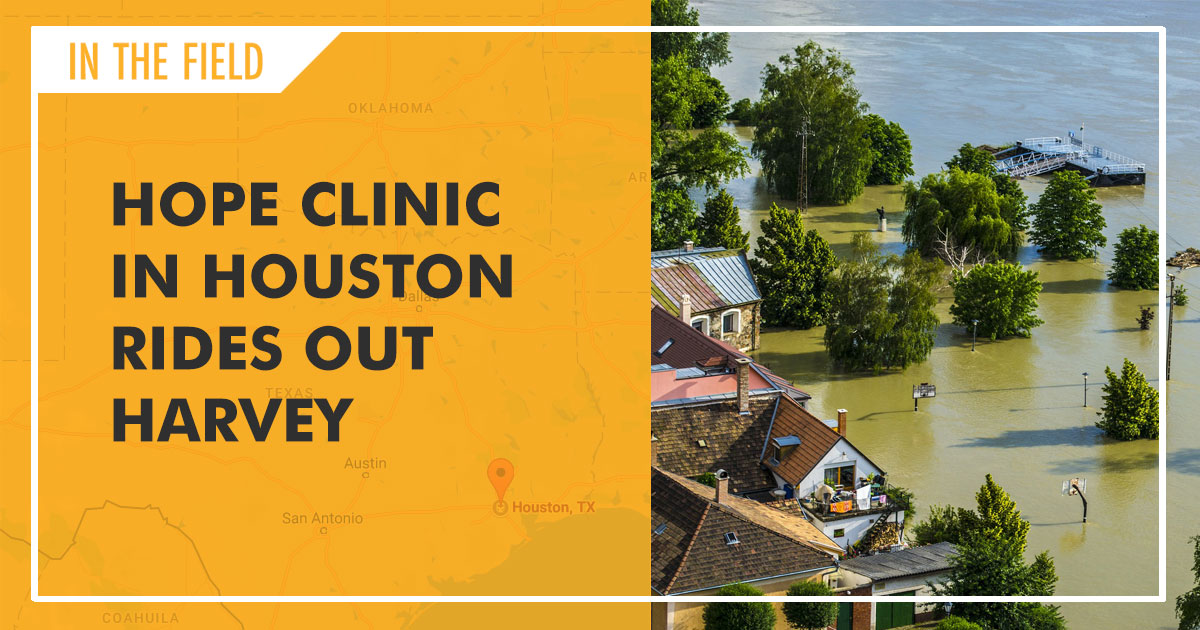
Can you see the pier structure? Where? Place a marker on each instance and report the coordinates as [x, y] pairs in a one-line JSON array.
[[1101, 167]]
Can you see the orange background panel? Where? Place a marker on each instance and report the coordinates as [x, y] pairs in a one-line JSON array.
[[551, 379]]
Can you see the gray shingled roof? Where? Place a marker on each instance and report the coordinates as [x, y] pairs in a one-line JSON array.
[[898, 564]]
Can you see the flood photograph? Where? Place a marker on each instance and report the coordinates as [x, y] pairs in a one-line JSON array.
[[906, 314]]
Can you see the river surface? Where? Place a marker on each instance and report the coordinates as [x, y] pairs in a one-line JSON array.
[[1015, 408]]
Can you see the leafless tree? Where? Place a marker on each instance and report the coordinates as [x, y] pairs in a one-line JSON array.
[[958, 257]]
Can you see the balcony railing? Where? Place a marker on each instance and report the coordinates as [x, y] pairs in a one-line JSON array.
[[844, 504]]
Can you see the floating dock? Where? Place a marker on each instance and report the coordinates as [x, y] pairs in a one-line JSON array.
[[1101, 167]]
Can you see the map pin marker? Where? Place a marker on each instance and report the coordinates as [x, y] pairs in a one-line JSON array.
[[500, 473]]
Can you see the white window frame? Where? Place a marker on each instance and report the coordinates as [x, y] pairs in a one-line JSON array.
[[736, 311], [703, 318]]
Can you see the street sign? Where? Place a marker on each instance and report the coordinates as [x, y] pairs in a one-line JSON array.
[[924, 390]]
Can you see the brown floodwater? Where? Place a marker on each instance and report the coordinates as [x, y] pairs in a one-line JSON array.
[[1014, 407]]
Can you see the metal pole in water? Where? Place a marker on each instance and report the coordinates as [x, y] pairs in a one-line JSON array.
[[1170, 321], [1085, 389]]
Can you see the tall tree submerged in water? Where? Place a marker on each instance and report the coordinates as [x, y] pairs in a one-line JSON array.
[[1130, 405], [881, 309], [720, 223], [687, 103], [809, 100], [960, 216], [891, 152], [990, 544], [1068, 222], [792, 269]]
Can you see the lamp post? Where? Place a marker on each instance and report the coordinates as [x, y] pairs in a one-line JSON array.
[[974, 332], [1085, 389]]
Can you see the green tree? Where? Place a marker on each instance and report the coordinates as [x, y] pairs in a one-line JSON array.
[[1135, 259], [739, 615], [744, 111], [810, 615], [701, 50], [1067, 221], [998, 516], [672, 216], [1130, 405], [978, 160], [995, 517], [994, 566], [945, 523], [904, 498], [891, 152], [957, 623], [1187, 605], [881, 310], [684, 96], [712, 110], [813, 89], [1000, 295], [792, 269], [1181, 296], [973, 160], [959, 216], [720, 223]]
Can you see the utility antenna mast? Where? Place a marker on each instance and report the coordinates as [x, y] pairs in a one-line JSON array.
[[802, 169]]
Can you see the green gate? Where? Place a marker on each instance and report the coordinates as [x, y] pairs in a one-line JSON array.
[[844, 613], [895, 614]]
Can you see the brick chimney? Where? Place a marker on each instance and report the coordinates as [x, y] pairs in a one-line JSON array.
[[743, 385], [842, 422], [688, 246], [722, 486], [685, 309]]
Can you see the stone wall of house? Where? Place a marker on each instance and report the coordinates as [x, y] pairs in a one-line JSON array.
[[745, 340]]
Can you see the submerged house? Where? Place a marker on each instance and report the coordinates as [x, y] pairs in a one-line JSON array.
[[712, 408], [711, 289]]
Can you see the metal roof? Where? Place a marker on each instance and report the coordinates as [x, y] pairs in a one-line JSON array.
[[713, 278], [903, 563]]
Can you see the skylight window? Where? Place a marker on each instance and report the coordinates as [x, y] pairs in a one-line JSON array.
[[664, 347], [660, 529], [731, 538]]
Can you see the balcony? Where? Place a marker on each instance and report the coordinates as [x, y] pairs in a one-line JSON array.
[[843, 504]]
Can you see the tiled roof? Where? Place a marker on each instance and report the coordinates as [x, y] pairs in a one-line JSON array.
[[714, 279], [897, 564], [691, 348], [816, 438], [691, 552], [692, 383], [732, 441]]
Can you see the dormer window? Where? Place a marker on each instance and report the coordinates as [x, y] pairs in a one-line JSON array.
[[783, 446]]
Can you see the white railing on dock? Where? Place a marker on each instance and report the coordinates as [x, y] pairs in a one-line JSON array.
[[1077, 148]]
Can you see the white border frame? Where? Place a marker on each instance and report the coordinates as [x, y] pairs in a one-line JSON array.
[[1162, 341]]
